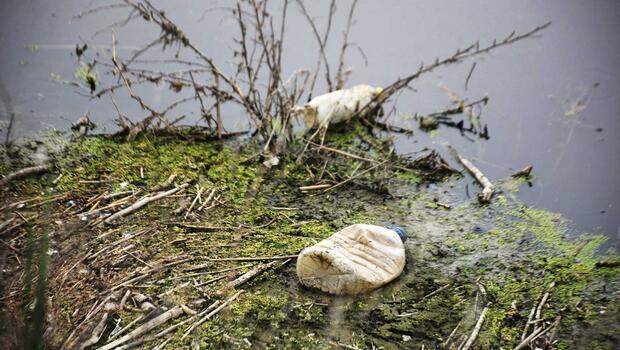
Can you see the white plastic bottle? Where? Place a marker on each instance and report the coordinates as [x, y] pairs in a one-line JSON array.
[[338, 106], [354, 260]]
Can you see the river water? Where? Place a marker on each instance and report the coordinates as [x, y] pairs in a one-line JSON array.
[[554, 99]]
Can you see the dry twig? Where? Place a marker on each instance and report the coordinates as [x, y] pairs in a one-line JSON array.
[[23, 173], [146, 327], [142, 202], [475, 331], [488, 189], [210, 314]]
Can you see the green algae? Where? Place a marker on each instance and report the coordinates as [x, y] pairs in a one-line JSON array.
[[513, 251]]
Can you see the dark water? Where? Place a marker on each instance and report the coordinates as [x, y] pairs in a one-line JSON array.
[[544, 107]]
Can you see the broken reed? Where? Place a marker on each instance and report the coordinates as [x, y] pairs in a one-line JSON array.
[[257, 83], [34, 310]]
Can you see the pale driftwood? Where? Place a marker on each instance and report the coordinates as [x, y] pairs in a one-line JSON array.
[[198, 193], [204, 266], [114, 204], [314, 187], [213, 280], [167, 330], [210, 314], [23, 173], [124, 299], [476, 330], [257, 258], [527, 324], [96, 335], [535, 334], [251, 274], [93, 311], [142, 202], [543, 301], [7, 223], [122, 330], [488, 189], [153, 323], [208, 200], [117, 194], [445, 344]]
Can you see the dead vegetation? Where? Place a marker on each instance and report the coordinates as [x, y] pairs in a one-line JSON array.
[[257, 84], [127, 271]]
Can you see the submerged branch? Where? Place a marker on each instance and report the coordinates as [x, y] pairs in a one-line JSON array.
[[488, 189]]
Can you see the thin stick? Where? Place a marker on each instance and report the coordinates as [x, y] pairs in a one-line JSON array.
[[543, 301], [487, 187], [345, 44], [535, 334], [150, 272], [198, 193], [218, 111], [205, 228], [321, 42], [23, 173], [355, 177], [138, 319], [96, 334], [142, 202], [471, 71], [209, 315], [445, 344], [314, 187], [460, 55], [476, 330], [258, 258], [213, 280], [251, 274], [527, 324], [153, 323], [435, 292], [209, 198], [9, 128], [350, 155], [169, 329], [203, 266]]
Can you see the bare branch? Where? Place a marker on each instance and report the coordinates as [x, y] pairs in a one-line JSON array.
[[340, 81], [321, 42]]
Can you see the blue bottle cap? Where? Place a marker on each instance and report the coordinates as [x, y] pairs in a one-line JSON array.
[[400, 231]]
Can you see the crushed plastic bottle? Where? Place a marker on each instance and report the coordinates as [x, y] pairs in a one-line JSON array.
[[338, 106], [354, 260]]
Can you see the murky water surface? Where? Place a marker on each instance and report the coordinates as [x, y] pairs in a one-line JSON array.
[[554, 99]]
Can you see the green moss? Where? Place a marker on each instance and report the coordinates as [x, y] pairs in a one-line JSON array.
[[513, 251], [262, 306]]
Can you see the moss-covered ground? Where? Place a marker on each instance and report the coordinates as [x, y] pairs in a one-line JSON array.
[[460, 260]]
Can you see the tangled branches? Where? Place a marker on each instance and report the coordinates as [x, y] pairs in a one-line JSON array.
[[257, 84]]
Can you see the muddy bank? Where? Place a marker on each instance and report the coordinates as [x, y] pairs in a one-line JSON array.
[[479, 272]]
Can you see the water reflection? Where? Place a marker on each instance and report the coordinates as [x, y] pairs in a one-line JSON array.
[[544, 108]]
